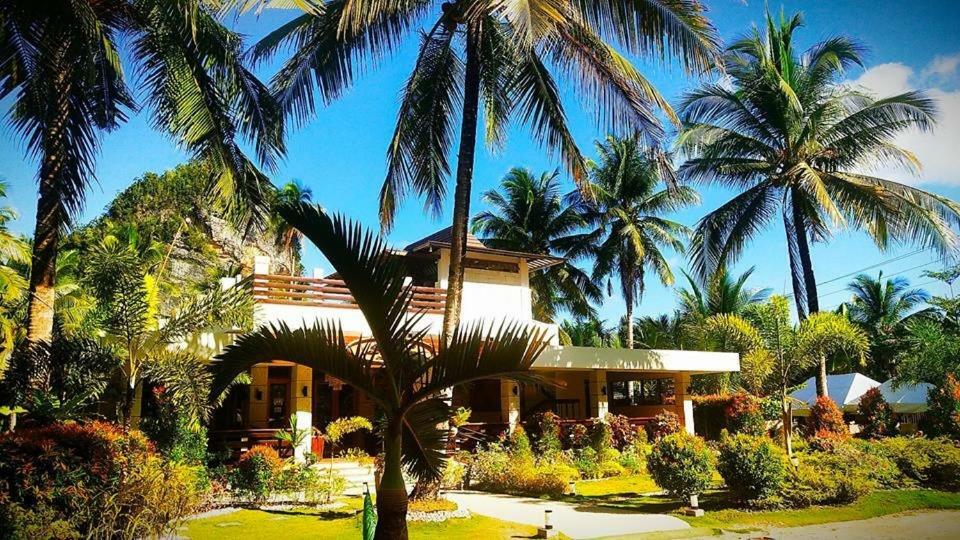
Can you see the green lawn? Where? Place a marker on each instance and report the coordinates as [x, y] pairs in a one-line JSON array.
[[308, 523], [637, 484]]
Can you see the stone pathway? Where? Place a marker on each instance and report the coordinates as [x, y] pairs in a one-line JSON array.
[[573, 520]]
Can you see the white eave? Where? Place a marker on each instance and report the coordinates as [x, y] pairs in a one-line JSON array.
[[585, 358]]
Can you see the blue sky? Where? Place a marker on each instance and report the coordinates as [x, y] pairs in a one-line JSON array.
[[340, 154]]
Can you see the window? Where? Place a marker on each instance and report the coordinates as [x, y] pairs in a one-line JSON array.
[[643, 392]]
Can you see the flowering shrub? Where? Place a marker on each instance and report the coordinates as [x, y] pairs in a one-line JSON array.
[[664, 424], [753, 467], [744, 414], [548, 433], [621, 431], [943, 416], [876, 416], [681, 464], [256, 472], [826, 422], [578, 436], [90, 480], [501, 469]]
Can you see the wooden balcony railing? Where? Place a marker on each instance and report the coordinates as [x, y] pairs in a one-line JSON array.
[[332, 293]]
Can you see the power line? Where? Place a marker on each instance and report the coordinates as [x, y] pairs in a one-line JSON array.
[[889, 276], [872, 266]]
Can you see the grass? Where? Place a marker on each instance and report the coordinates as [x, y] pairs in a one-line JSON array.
[[342, 523], [637, 484]]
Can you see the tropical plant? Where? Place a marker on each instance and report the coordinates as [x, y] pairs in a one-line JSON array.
[[882, 307], [627, 230], [661, 332], [14, 254], [399, 369], [722, 294], [288, 239], [144, 335], [530, 216], [764, 337], [589, 333], [930, 352], [496, 53], [792, 139], [62, 71]]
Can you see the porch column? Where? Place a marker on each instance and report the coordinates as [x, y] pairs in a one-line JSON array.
[[303, 406], [259, 396], [599, 401], [684, 401], [509, 403]]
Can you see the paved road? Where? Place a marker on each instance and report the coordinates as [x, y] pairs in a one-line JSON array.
[[570, 519], [934, 525]]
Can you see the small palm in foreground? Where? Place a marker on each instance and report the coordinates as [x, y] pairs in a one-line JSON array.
[[399, 368]]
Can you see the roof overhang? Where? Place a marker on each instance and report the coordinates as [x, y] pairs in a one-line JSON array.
[[535, 262], [588, 358]]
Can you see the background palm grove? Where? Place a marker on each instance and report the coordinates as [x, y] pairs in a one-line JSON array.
[[91, 304]]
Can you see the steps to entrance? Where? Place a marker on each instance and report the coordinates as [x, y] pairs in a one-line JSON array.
[[353, 472]]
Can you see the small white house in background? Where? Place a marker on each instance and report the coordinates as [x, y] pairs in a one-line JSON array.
[[845, 390], [906, 398], [590, 382]]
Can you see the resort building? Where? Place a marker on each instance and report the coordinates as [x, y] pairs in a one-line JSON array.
[[590, 382]]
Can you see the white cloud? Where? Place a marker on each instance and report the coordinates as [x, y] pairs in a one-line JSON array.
[[942, 67], [939, 150]]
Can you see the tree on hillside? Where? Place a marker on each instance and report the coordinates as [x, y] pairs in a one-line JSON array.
[[530, 216], [62, 73], [627, 229], [400, 369], [882, 307], [793, 139], [498, 58]]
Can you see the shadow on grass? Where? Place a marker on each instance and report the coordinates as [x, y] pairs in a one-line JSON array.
[[308, 512], [710, 501]]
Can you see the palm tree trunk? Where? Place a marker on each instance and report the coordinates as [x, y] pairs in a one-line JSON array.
[[796, 279], [50, 219], [461, 195], [392, 494], [627, 287], [822, 376], [803, 248]]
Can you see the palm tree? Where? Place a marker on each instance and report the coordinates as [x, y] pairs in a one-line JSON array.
[[793, 139], [530, 216], [400, 368], [14, 253], [660, 332], [882, 307], [63, 73], [495, 54], [627, 231], [722, 294], [287, 238], [775, 353], [124, 281], [588, 333]]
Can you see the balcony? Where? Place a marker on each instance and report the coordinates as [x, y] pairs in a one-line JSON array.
[[297, 301], [330, 293]]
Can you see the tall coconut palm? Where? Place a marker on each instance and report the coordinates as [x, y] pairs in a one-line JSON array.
[[498, 57], [397, 368], [882, 307], [794, 140], [628, 231], [530, 216], [721, 294], [61, 69]]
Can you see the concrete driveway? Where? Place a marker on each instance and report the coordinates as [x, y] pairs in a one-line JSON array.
[[572, 520]]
